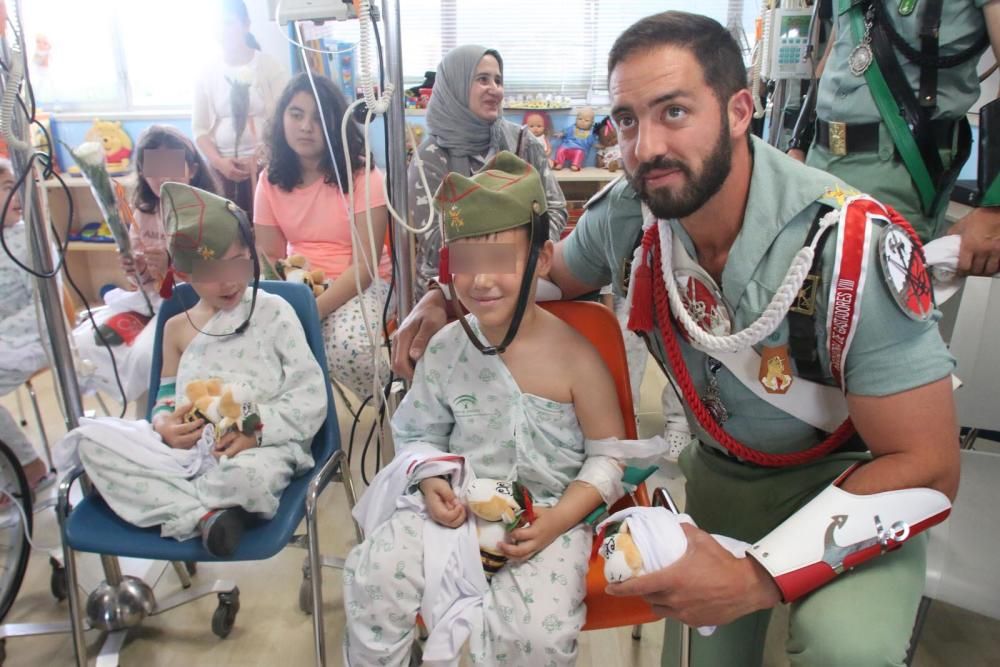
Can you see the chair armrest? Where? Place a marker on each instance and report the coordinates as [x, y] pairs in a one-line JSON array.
[[320, 480], [65, 484], [662, 498]]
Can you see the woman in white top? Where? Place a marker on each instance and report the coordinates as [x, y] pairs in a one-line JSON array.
[[234, 98]]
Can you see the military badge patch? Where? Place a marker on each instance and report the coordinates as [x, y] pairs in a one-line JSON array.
[[906, 275]]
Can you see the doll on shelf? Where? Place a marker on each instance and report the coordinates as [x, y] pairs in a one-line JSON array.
[[609, 153], [540, 125], [577, 140]]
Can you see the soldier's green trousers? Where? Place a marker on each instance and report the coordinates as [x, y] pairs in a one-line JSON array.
[[863, 618]]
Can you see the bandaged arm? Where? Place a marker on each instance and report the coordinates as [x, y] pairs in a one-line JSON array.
[[606, 460], [165, 397]]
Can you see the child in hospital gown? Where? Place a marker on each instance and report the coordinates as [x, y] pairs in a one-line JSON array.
[[21, 351], [527, 414], [270, 362]]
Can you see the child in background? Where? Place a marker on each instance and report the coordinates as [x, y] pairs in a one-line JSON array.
[[162, 154], [519, 403], [21, 351], [175, 473]]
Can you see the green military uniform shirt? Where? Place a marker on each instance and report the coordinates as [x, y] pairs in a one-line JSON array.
[[846, 98], [890, 352]]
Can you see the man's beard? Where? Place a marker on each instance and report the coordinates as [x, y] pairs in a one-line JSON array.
[[666, 204]]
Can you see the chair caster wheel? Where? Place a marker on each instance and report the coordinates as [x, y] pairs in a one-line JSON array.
[[57, 582], [191, 567], [225, 614], [306, 596]]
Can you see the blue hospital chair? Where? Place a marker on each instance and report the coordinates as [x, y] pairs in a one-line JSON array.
[[91, 526]]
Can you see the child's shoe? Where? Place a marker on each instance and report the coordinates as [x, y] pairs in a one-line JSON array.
[[221, 530]]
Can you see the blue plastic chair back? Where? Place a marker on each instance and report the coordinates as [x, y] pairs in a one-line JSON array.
[[94, 527]]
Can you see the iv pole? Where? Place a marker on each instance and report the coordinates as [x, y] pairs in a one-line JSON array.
[[117, 602]]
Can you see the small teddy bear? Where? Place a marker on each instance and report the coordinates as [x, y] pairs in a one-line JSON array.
[[499, 508], [295, 269], [222, 407]]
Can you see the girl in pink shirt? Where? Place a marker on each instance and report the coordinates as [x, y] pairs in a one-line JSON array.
[[301, 207]]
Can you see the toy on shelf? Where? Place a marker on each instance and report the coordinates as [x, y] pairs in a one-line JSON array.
[[499, 508], [540, 125], [419, 96], [609, 153], [537, 101], [577, 140], [116, 143]]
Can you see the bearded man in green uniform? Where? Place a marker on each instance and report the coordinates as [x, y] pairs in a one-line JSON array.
[[737, 257]]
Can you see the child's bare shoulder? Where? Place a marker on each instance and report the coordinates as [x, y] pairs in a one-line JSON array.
[[175, 325], [570, 346]]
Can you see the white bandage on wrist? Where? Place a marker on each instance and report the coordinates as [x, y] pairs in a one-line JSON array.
[[604, 474]]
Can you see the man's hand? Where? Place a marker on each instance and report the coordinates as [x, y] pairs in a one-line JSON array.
[[980, 251], [529, 540], [174, 431], [408, 343], [232, 444], [707, 586], [797, 154], [442, 503]]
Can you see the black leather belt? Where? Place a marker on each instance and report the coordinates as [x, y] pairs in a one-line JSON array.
[[841, 138]]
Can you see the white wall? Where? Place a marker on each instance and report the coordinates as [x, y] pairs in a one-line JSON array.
[[267, 31]]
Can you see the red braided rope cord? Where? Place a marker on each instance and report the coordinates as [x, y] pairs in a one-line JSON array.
[[683, 377]]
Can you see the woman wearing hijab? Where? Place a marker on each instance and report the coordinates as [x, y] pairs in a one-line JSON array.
[[465, 128]]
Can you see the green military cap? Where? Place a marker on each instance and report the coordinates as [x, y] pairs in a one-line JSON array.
[[200, 226], [500, 197]]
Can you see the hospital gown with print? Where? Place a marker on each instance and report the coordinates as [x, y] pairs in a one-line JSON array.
[[464, 402], [21, 351], [271, 361]]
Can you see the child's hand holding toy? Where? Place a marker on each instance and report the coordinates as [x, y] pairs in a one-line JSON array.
[[442, 504], [175, 428], [232, 443]]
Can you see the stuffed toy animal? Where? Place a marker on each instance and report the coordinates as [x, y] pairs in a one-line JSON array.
[[640, 540], [117, 144], [622, 560], [295, 269], [222, 406], [499, 508], [609, 154]]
